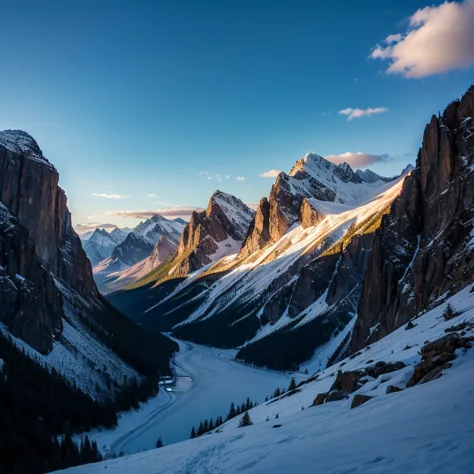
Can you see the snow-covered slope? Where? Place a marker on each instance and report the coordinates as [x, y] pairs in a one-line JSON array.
[[101, 244], [152, 229], [112, 274], [424, 428]]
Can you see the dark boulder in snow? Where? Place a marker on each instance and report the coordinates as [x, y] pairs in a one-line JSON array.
[[359, 400], [335, 396], [436, 357], [382, 367], [393, 389], [320, 398], [348, 382]]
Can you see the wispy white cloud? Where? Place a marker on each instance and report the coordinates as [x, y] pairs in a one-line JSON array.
[[169, 213], [358, 113], [240, 178], [359, 159], [151, 195], [227, 176], [110, 196], [270, 174], [438, 39], [204, 173]]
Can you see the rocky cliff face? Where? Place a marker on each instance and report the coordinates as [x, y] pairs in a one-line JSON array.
[[213, 233], [423, 250], [29, 189], [31, 306], [49, 302]]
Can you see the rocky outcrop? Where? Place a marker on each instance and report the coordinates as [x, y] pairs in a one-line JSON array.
[[309, 216], [31, 306], [436, 356], [359, 400], [259, 234], [213, 233], [311, 177], [29, 189], [423, 248]]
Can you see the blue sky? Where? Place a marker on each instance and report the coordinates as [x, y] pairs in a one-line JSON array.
[[137, 98]]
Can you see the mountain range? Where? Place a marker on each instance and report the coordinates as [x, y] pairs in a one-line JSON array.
[[112, 254], [330, 255]]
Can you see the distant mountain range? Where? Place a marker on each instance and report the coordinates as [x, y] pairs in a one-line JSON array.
[[114, 252]]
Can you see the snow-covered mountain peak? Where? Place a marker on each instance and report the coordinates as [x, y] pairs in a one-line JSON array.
[[311, 161], [238, 213], [368, 176], [154, 227], [24, 144]]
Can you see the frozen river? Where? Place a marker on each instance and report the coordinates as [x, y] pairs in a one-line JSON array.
[[208, 380]]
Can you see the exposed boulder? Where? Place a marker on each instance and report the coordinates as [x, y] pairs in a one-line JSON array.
[[436, 357], [320, 398], [359, 400], [393, 389], [335, 396], [348, 382], [382, 367]]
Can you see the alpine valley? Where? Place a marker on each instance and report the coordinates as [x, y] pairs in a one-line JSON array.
[[359, 287], [344, 287]]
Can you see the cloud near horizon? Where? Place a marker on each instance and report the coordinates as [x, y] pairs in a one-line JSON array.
[[170, 213], [240, 178], [270, 174], [359, 159], [438, 39], [83, 228], [110, 196], [359, 113]]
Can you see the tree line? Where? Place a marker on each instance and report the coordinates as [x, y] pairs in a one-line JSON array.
[[209, 424], [40, 411]]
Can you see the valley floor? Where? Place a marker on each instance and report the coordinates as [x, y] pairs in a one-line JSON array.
[[208, 380]]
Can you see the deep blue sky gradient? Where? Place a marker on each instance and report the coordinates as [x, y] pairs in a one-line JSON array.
[[137, 97]]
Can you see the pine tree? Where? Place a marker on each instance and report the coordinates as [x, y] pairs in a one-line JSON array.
[[245, 420], [211, 425], [200, 429], [248, 404], [292, 385], [206, 426], [193, 433], [232, 412], [159, 443], [277, 392]]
